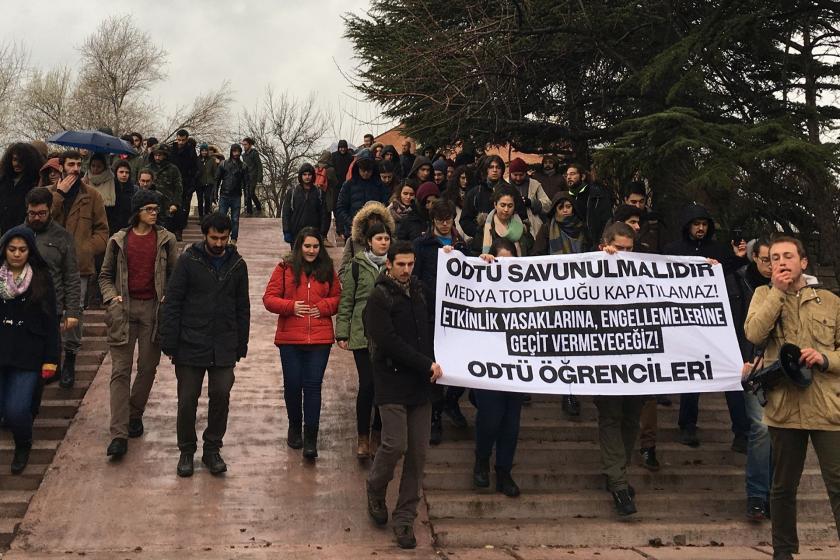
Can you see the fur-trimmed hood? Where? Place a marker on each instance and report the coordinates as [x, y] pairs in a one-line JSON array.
[[370, 208]]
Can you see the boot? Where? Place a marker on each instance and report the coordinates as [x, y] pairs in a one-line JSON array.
[[310, 441], [214, 462], [375, 440], [436, 435], [481, 473], [505, 483], [21, 457], [377, 509], [185, 465], [624, 503], [453, 410], [68, 371], [571, 406], [293, 437], [363, 447], [117, 448]]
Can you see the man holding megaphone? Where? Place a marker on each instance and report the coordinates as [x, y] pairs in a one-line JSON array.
[[794, 311]]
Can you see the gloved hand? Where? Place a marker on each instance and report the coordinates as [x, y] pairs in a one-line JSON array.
[[48, 371], [527, 202], [288, 237]]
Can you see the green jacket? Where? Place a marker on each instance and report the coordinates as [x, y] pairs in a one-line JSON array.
[[354, 296], [207, 171], [168, 183]]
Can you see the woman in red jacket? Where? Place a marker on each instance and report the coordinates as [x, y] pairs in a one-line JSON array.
[[304, 291]]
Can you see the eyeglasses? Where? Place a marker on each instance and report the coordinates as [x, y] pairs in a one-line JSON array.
[[444, 221], [151, 209], [764, 260], [38, 214]]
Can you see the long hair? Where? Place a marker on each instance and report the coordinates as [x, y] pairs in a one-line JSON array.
[[41, 285], [321, 269], [28, 157], [453, 187]]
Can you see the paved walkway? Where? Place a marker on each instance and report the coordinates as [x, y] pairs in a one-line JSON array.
[[271, 504]]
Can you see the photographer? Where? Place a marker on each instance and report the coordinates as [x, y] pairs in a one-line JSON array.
[[794, 309]]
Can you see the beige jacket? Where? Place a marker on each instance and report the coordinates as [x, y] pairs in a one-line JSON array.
[[113, 281], [808, 319]]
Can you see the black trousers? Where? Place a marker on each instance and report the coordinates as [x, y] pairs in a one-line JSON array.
[[364, 397], [219, 381]]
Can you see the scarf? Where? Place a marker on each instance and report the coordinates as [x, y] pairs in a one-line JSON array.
[[399, 210], [376, 260], [566, 236], [404, 286], [10, 287], [515, 229], [103, 183]]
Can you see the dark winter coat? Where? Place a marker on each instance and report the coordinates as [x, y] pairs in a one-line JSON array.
[[207, 171], [168, 183], [206, 314], [59, 251], [406, 163], [232, 177], [120, 212], [594, 204], [341, 163], [741, 285], [186, 160], [13, 200], [354, 194], [29, 332], [304, 207], [478, 200], [411, 177], [414, 224], [399, 332], [706, 247], [426, 250], [254, 165]]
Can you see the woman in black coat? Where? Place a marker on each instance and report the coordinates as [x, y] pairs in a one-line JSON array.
[[29, 331]]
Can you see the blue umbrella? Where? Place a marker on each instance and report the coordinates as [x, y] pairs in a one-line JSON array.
[[92, 140]]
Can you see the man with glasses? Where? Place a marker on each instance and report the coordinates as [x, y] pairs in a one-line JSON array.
[[56, 247], [138, 262]]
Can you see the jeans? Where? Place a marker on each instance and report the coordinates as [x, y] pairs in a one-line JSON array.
[[234, 205], [690, 410], [790, 446], [303, 373], [497, 422], [759, 462], [364, 397], [405, 433], [219, 382], [17, 391]]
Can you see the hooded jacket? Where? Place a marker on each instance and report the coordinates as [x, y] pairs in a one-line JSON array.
[[206, 316], [419, 161], [280, 296], [706, 247], [355, 193], [13, 199], [395, 159], [357, 242], [232, 175], [809, 318], [399, 332], [305, 207]]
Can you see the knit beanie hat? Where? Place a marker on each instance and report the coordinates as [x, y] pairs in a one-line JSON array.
[[440, 165], [518, 165], [142, 198], [426, 190]]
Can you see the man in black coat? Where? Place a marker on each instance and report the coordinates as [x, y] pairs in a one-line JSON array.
[[592, 201], [399, 331], [341, 160], [185, 158], [204, 328], [304, 206], [698, 230]]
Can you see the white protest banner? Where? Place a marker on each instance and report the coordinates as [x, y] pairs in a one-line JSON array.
[[585, 324]]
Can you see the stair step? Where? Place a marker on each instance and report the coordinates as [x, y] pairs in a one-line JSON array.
[[54, 392], [567, 478], [8, 527], [29, 479], [636, 530], [44, 428], [86, 357], [488, 504]]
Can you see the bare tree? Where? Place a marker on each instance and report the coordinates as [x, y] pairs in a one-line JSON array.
[[119, 64], [13, 62], [206, 117], [46, 104], [288, 133]]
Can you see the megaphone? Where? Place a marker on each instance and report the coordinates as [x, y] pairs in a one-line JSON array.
[[788, 366]]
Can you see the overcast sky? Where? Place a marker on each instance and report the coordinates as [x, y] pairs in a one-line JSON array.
[[296, 46]]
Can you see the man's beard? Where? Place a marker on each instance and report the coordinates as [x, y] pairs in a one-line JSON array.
[[216, 251], [38, 226]]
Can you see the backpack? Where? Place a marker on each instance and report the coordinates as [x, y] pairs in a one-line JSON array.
[[321, 180]]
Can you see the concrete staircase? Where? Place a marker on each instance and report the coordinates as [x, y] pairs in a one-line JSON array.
[[697, 498]]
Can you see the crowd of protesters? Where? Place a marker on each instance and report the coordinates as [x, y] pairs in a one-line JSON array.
[[74, 221]]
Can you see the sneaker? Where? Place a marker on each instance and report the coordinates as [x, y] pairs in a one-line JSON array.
[[214, 462], [376, 507], [739, 444], [135, 427], [624, 503], [453, 411], [185, 465], [757, 509], [405, 536], [649, 458], [571, 405], [688, 436]]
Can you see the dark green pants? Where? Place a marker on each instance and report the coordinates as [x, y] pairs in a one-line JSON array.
[[789, 449], [618, 426]]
